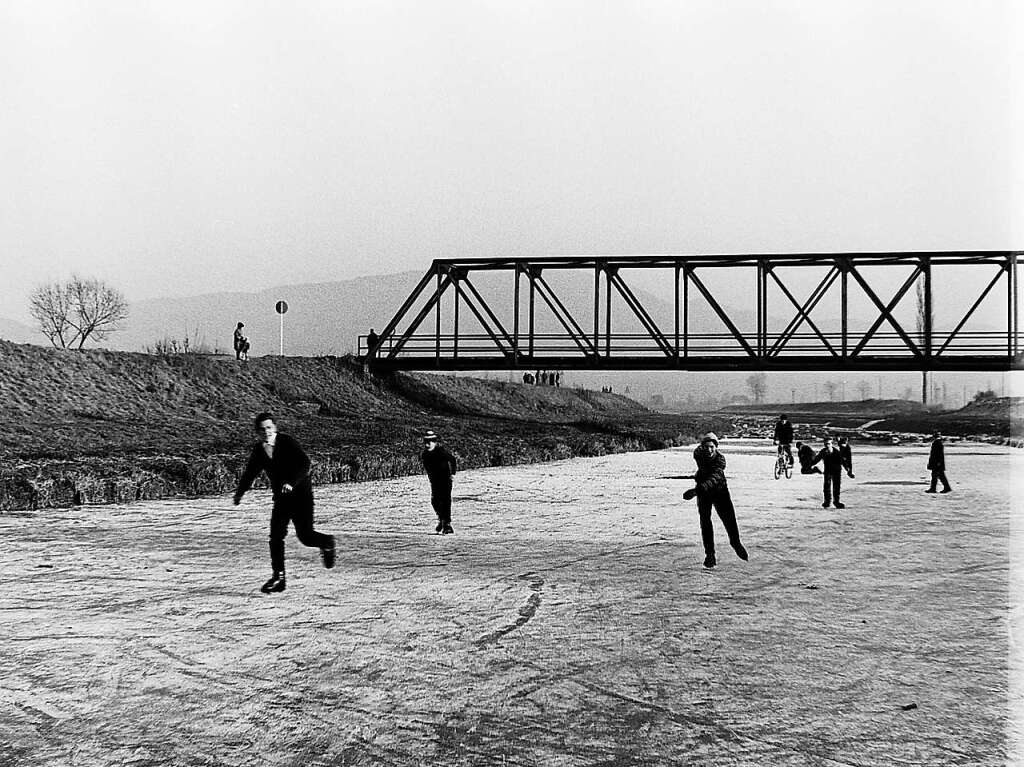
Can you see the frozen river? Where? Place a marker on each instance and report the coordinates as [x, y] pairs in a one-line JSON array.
[[567, 622]]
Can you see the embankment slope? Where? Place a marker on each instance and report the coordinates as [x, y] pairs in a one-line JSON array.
[[99, 426]]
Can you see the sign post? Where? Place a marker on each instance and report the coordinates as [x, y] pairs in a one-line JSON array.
[[281, 307]]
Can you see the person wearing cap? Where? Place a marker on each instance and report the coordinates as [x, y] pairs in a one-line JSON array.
[[440, 466], [937, 464], [831, 459], [287, 467], [712, 491], [783, 437]]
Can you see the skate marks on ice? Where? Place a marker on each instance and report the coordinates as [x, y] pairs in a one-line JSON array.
[[565, 623]]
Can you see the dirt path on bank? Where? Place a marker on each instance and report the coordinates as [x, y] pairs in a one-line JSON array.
[[567, 622]]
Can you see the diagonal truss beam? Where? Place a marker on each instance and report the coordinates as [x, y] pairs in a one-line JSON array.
[[804, 312], [886, 311], [464, 280], [970, 311], [431, 303], [720, 312], [389, 329], [641, 313], [562, 314]]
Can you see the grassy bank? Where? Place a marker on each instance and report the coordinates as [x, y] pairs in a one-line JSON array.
[[101, 427]]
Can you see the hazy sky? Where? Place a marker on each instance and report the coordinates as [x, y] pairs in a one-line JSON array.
[[180, 147]]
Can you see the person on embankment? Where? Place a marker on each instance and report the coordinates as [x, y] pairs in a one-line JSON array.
[[712, 491], [287, 468], [440, 466]]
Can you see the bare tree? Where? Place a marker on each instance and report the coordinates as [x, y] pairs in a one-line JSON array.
[[75, 311], [758, 384], [831, 387], [864, 388]]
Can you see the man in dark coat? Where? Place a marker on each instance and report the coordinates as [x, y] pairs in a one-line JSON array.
[[832, 462], [937, 465], [805, 454], [440, 466], [712, 491], [846, 452], [287, 468], [783, 437], [372, 342]]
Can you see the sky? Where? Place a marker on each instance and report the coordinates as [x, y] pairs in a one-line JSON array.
[[178, 148]]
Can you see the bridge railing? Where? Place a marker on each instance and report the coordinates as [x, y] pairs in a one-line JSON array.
[[642, 345]]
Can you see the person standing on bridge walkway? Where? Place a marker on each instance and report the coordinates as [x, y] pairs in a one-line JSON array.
[[937, 464], [372, 342], [440, 466], [832, 461], [712, 491], [287, 468]]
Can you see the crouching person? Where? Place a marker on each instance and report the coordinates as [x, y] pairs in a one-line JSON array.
[[712, 491]]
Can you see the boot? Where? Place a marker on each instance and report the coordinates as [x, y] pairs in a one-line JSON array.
[[276, 583], [327, 554]]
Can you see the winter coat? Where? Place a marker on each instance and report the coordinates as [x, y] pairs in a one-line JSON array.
[[831, 460], [805, 455], [710, 475], [937, 457], [289, 466], [783, 432], [439, 463]]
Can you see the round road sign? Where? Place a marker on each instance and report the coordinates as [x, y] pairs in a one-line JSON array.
[[281, 307]]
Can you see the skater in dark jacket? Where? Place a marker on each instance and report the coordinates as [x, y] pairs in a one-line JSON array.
[[832, 462], [440, 466], [846, 452], [806, 455], [712, 490], [287, 468], [783, 437], [937, 465]]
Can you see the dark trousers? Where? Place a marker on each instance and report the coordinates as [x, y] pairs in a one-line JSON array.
[[806, 468], [722, 503], [295, 507], [939, 475], [441, 498], [831, 485]]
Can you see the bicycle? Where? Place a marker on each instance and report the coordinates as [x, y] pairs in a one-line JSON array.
[[783, 464]]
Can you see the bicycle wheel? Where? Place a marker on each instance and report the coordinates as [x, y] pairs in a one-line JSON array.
[[778, 468], [789, 470]]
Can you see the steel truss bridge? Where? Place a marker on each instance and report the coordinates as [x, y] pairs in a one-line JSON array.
[[836, 311]]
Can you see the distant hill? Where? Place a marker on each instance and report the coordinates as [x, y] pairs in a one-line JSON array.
[[327, 318], [322, 319], [19, 333]]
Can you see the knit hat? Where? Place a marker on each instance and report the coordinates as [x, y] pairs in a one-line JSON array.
[[710, 437], [429, 436]]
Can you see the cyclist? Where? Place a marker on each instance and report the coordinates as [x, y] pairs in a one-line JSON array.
[[783, 437]]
